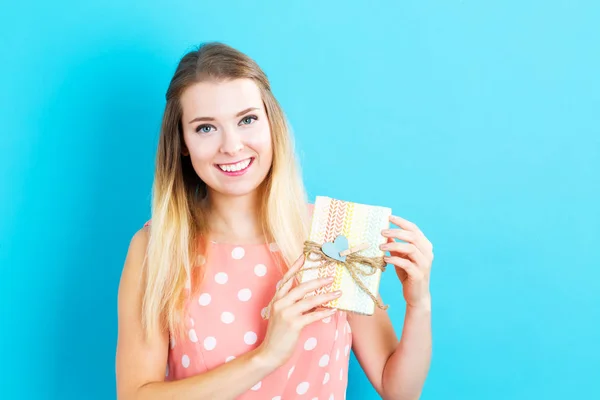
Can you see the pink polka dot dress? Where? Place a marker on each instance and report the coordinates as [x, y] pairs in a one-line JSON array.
[[224, 321]]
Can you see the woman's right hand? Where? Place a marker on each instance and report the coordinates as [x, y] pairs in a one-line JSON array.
[[291, 312]]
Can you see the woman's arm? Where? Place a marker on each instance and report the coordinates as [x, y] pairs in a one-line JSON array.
[[397, 370], [140, 363]]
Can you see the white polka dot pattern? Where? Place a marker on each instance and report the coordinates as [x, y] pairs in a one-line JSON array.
[[210, 343], [264, 312], [250, 338], [204, 299], [260, 270], [238, 253], [224, 320], [324, 361], [244, 294], [185, 361], [310, 344], [227, 317], [221, 278], [302, 388]]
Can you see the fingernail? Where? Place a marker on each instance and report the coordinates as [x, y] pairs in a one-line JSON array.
[[383, 247], [329, 278], [337, 293], [385, 231]]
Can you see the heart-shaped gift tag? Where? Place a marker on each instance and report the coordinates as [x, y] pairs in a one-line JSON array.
[[334, 249]]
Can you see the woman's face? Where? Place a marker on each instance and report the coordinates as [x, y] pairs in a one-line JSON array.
[[227, 135]]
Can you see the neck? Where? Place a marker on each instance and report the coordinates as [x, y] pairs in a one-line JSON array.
[[234, 218]]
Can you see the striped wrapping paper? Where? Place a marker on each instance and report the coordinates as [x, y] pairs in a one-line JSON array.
[[359, 223]]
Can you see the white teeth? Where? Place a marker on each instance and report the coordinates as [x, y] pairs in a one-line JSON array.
[[235, 167]]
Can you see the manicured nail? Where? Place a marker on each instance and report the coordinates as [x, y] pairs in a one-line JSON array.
[[337, 293]]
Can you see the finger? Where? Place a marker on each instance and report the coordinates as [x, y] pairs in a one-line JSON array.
[[285, 288], [408, 236], [419, 244], [404, 223], [300, 291], [408, 267], [315, 316], [409, 250], [311, 302], [412, 227]]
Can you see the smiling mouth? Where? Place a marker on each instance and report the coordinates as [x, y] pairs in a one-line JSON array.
[[235, 168]]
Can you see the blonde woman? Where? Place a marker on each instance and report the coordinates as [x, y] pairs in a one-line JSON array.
[[229, 218]]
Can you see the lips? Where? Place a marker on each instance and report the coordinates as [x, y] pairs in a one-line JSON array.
[[237, 167]]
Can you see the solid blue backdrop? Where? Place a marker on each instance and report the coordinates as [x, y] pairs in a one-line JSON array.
[[476, 120]]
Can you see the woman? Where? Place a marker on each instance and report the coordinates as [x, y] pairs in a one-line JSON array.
[[229, 215]]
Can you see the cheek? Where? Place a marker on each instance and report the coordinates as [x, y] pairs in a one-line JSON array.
[[202, 160], [260, 142], [202, 150]]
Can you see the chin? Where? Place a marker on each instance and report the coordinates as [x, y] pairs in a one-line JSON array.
[[237, 190]]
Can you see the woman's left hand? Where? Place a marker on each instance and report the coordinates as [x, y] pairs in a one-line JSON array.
[[412, 260]]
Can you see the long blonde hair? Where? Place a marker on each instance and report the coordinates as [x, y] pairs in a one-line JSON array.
[[179, 216]]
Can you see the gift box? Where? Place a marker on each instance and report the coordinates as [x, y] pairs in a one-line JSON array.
[[344, 243]]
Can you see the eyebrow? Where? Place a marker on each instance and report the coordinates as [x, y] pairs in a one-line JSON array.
[[212, 119]]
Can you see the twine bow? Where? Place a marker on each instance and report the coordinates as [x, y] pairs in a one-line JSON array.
[[354, 264]]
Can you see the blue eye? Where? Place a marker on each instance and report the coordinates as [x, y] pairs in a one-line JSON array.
[[203, 128], [249, 119]]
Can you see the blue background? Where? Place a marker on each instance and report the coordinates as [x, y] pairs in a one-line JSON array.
[[477, 120]]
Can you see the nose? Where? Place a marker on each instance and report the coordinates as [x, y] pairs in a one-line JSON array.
[[232, 143]]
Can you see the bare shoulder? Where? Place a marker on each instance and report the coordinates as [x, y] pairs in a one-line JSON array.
[[139, 240], [135, 254]]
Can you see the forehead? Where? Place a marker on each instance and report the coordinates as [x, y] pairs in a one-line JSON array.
[[220, 99]]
